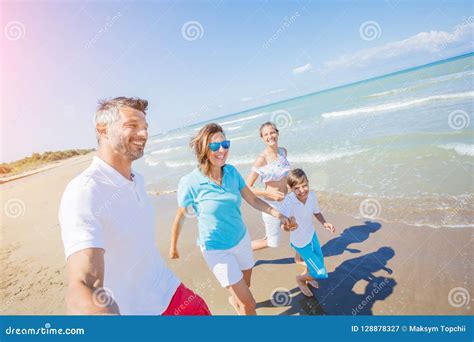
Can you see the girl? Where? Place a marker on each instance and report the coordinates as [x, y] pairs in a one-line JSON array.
[[272, 167]]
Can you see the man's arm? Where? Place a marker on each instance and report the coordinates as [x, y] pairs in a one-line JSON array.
[[85, 294]]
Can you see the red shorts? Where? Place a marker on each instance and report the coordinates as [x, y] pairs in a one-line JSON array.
[[186, 303]]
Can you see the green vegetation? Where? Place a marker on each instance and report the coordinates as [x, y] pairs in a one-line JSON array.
[[37, 160]]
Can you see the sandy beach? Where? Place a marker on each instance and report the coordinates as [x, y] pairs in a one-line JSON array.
[[374, 267]]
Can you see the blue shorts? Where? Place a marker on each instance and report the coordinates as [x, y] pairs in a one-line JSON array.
[[313, 257]]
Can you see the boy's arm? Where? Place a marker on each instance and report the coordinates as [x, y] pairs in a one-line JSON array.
[[329, 226]]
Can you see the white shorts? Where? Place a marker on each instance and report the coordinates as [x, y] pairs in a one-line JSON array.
[[228, 264], [272, 226]]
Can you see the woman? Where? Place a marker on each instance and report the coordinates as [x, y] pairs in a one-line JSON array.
[[273, 168], [215, 190]]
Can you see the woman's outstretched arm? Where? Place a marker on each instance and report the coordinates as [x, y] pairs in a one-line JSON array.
[[262, 206]]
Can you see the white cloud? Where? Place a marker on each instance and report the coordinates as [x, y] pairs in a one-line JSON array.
[[442, 43], [246, 99], [272, 92], [302, 69]]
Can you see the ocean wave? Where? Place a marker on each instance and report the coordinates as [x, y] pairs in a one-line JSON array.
[[166, 150], [424, 83], [243, 119], [397, 105], [461, 149], [151, 162], [314, 158], [175, 164], [310, 157], [243, 137], [169, 138], [233, 128]]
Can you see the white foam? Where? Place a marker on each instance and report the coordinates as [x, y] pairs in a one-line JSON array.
[[233, 128], [176, 164], [175, 137], [151, 162], [398, 105], [425, 82], [166, 150], [461, 149], [242, 119], [315, 158], [242, 137]]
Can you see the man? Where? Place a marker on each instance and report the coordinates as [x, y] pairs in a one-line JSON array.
[[107, 224]]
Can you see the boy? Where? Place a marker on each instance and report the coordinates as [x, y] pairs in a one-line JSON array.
[[303, 205]]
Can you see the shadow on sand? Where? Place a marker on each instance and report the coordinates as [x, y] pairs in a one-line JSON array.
[[336, 295]]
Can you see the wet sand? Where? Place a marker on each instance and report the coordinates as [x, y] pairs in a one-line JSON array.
[[374, 267]]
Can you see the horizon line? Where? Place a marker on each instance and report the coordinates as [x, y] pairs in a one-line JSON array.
[[402, 71]]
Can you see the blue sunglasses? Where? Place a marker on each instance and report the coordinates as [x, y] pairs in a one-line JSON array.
[[216, 145]]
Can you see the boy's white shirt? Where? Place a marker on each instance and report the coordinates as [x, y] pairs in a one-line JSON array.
[[304, 215]]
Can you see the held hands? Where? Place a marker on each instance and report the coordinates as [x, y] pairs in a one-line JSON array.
[[330, 227], [173, 254], [288, 224]]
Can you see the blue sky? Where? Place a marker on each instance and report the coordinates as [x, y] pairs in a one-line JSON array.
[[62, 57]]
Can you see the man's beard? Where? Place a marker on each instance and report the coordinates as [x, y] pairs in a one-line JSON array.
[[125, 147]]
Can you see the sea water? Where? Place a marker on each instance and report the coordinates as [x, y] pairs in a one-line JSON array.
[[398, 148]]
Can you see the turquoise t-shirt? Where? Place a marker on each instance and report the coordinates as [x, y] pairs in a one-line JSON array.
[[217, 207]]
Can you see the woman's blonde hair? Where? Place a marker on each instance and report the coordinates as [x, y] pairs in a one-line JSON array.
[[200, 145]]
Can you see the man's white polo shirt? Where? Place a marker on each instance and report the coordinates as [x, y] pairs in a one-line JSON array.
[[102, 209]]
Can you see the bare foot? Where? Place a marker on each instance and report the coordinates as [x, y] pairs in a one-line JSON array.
[[304, 288], [314, 284], [234, 304]]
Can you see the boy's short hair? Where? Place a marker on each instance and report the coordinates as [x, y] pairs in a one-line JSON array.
[[295, 177]]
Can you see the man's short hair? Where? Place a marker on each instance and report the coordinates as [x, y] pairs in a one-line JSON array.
[[108, 110]]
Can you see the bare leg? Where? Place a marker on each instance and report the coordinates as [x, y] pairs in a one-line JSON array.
[[301, 281], [247, 277], [259, 244], [299, 260], [243, 298], [234, 304]]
